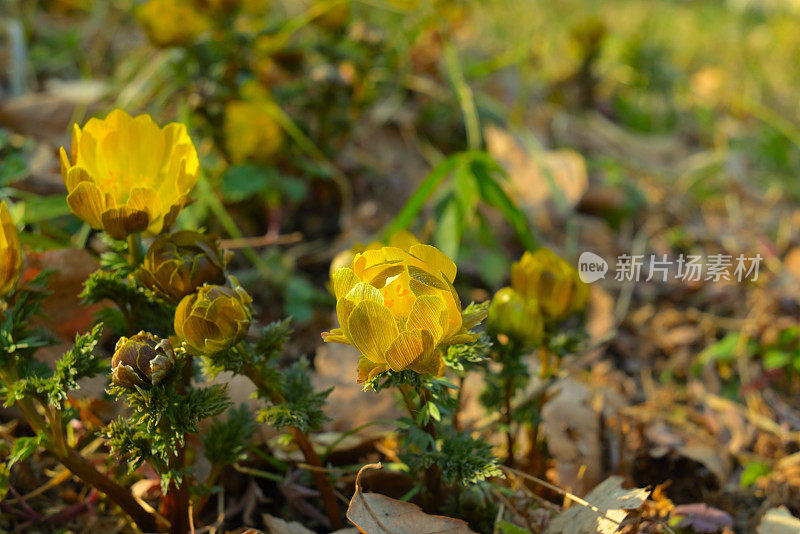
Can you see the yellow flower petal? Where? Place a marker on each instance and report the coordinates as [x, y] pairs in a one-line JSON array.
[[429, 313], [367, 370], [358, 293], [343, 280], [409, 347], [119, 223], [74, 176], [430, 364], [87, 202], [335, 336], [10, 251], [146, 200], [437, 262], [372, 329]]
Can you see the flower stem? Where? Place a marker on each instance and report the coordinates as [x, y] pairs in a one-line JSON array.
[[433, 475], [80, 466], [134, 250], [311, 456]]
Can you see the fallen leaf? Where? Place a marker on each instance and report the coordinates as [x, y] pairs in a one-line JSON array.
[[572, 428], [779, 521], [336, 367], [63, 310], [276, 525], [701, 517], [373, 513], [535, 176], [613, 503]]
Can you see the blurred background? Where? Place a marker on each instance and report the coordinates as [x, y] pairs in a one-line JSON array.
[[649, 127]]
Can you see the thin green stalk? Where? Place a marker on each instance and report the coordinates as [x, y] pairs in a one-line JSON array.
[[465, 97], [134, 250]]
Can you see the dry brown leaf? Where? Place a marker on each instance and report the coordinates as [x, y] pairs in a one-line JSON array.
[[276, 525], [373, 513], [572, 428], [611, 499], [779, 521], [531, 176], [336, 367]]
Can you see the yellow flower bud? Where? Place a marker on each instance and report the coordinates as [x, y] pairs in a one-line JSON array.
[[177, 264], [214, 319], [127, 175], [397, 307], [10, 252], [551, 281], [172, 22], [141, 360], [516, 317]]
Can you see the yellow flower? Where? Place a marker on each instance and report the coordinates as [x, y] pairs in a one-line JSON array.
[[397, 307], [172, 22], [551, 281], [401, 239], [516, 317], [251, 134], [10, 252], [214, 319], [127, 175]]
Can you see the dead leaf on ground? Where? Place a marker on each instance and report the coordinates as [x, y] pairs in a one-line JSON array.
[[276, 525], [572, 428], [779, 521], [373, 513], [48, 115], [535, 177], [701, 517], [336, 366], [611, 499]]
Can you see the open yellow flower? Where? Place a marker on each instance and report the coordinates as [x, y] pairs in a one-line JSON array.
[[397, 307], [128, 175], [10, 252], [547, 278]]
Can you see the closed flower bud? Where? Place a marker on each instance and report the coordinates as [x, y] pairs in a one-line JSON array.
[[516, 317], [141, 360], [213, 319], [177, 264], [551, 281], [10, 252]]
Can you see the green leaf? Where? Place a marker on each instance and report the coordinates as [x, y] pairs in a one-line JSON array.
[[302, 408], [493, 194], [433, 411], [245, 181], [752, 472], [423, 192], [24, 447], [449, 228], [226, 442], [39, 209], [509, 528], [776, 359]]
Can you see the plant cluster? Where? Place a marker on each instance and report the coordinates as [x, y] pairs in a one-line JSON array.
[[180, 318]]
